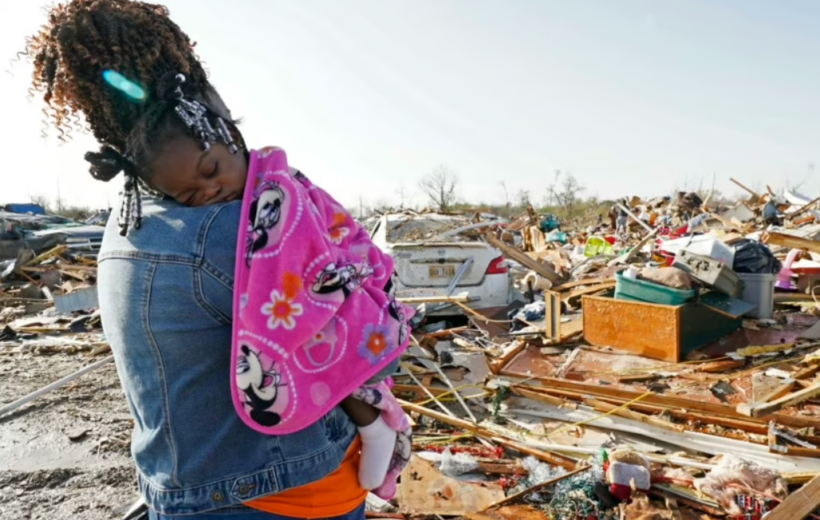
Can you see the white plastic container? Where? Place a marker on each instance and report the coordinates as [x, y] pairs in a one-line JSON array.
[[705, 245], [759, 291]]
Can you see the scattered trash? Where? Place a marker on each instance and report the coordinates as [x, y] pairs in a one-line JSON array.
[[569, 393]]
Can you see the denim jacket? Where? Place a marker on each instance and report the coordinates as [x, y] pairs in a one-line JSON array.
[[165, 294]]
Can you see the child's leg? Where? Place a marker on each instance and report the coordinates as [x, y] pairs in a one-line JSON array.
[[378, 442]]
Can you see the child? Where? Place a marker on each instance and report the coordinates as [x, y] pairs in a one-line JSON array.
[[314, 319]]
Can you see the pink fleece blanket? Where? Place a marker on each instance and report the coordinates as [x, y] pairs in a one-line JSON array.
[[313, 317]]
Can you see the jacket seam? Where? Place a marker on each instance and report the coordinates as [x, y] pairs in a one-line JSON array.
[[199, 294], [161, 372], [202, 234], [238, 476], [149, 257], [203, 266]]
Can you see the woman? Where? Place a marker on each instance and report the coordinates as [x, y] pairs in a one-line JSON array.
[[166, 287]]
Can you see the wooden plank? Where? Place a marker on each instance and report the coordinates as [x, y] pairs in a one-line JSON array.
[[626, 413], [574, 295], [804, 208], [799, 504], [752, 193], [577, 388], [796, 451], [763, 409], [418, 390], [578, 283], [720, 366], [806, 372], [759, 427], [570, 329], [793, 479], [523, 259], [550, 458], [793, 242], [445, 333], [778, 392], [45, 256], [549, 324], [501, 467], [537, 487], [639, 378], [737, 421]]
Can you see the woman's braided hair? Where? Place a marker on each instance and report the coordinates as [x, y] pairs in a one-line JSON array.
[[84, 39]]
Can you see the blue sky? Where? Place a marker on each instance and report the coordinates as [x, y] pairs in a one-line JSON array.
[[367, 96]]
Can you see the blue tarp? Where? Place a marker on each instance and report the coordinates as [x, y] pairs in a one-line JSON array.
[[35, 209]]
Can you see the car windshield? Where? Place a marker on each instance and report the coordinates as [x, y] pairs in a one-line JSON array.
[[403, 229]]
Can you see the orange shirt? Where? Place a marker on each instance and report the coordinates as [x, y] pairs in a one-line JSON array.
[[335, 495]]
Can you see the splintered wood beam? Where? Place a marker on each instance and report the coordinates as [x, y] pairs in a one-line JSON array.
[[799, 504], [804, 208], [550, 458], [536, 487], [763, 409], [746, 189], [790, 241], [520, 257], [720, 366], [806, 372], [778, 392]]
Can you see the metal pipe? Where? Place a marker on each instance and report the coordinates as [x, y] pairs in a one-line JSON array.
[[53, 386]]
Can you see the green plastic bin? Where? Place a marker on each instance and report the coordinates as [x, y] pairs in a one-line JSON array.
[[640, 290]]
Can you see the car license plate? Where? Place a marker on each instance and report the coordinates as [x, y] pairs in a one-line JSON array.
[[442, 271]]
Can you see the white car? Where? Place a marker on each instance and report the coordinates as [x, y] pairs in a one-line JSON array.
[[432, 258]]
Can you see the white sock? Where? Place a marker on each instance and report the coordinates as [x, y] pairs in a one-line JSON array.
[[378, 443]]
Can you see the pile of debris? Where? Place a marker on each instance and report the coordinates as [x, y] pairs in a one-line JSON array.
[[21, 232], [661, 364], [58, 277]]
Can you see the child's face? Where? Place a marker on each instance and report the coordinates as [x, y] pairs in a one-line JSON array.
[[197, 178]]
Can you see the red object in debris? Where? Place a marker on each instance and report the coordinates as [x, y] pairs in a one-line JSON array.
[[680, 231], [621, 492], [482, 452], [611, 240]]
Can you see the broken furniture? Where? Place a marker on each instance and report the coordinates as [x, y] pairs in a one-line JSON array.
[[666, 332]]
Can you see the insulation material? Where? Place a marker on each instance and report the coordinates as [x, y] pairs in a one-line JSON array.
[[734, 476], [458, 464]]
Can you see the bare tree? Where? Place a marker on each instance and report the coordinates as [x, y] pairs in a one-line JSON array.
[[42, 201], [522, 198], [551, 190], [402, 194], [440, 186], [506, 195], [361, 208], [380, 207], [566, 195]]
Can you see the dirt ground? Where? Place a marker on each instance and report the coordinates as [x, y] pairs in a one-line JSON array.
[[65, 455]]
